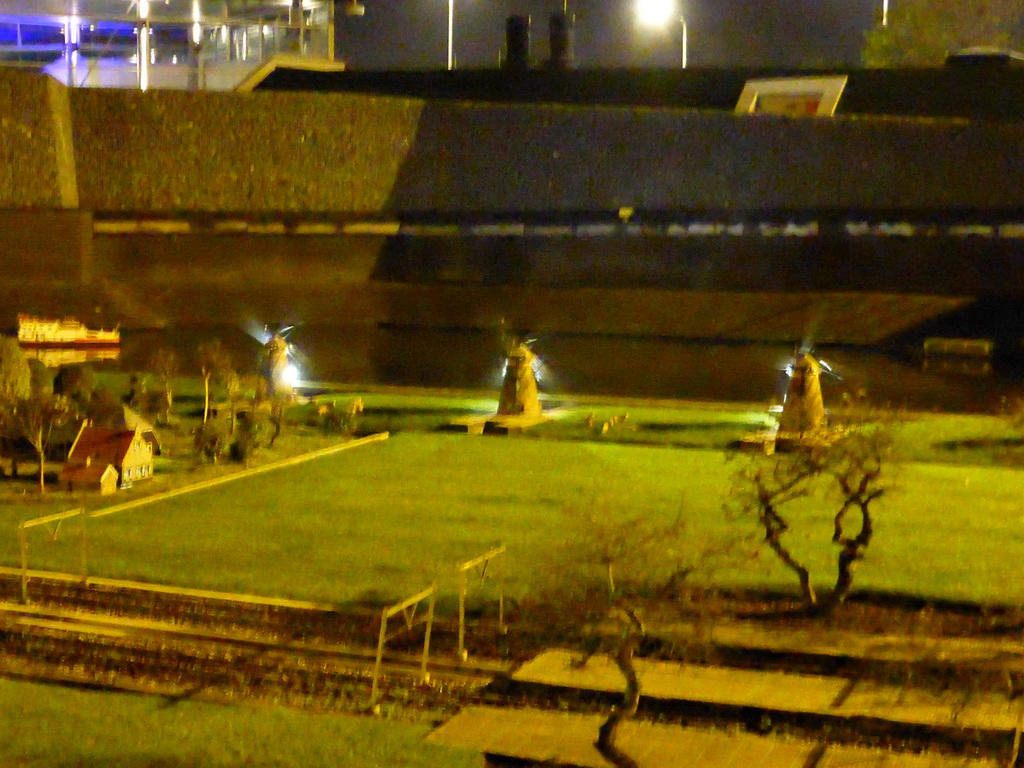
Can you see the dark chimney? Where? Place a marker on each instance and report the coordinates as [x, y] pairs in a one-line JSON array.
[[561, 28], [517, 42]]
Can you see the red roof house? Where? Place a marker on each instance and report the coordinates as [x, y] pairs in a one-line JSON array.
[[128, 453]]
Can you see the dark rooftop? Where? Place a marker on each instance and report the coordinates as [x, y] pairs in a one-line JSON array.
[[985, 88]]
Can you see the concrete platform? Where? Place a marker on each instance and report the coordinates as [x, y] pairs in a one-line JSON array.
[[495, 424], [781, 691], [690, 682], [568, 739], [986, 652]]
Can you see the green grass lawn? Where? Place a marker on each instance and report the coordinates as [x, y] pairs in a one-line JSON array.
[[49, 726], [379, 522]]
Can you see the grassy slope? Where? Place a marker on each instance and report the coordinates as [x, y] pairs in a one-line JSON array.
[[48, 725]]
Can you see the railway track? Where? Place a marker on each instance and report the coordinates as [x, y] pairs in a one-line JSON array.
[[311, 656], [48, 644]]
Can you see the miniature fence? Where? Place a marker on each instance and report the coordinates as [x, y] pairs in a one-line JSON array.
[[408, 610], [57, 518], [480, 563]]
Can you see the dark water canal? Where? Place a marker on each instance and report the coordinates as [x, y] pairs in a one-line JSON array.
[[597, 365]]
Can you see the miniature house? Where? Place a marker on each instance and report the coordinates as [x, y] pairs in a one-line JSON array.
[[105, 459], [89, 477], [132, 421]]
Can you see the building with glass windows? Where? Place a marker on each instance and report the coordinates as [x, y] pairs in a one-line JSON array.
[[176, 44]]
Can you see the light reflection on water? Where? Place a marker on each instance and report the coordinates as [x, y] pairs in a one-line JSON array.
[[591, 365]]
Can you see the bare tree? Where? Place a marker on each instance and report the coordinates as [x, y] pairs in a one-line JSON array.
[[606, 575], [233, 385], [164, 365], [278, 408], [36, 418], [214, 362], [849, 472]]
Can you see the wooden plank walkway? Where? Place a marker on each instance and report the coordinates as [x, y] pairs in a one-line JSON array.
[[992, 652], [660, 680], [568, 739], [781, 691]]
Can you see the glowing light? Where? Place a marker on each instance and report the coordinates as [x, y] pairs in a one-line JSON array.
[[451, 34], [290, 375], [143, 9], [144, 55], [658, 13], [655, 13], [825, 365], [197, 30]]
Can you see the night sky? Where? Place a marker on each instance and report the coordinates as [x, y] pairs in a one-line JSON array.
[[412, 34]]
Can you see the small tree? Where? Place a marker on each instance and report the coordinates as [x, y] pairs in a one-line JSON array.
[[164, 365], [233, 385], [278, 406], [40, 378], [104, 409], [923, 32], [36, 418], [253, 434], [210, 441], [76, 382], [849, 472], [333, 420], [604, 577], [15, 376], [138, 392], [214, 362]]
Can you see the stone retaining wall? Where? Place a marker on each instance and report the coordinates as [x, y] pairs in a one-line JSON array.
[[267, 153]]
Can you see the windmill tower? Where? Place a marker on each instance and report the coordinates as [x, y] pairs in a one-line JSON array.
[[803, 410], [519, 387], [276, 367]]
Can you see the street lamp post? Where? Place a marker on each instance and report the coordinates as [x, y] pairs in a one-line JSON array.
[[451, 34], [143, 44], [682, 20], [658, 13]]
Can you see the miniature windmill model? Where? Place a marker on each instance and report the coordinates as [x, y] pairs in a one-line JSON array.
[[519, 387], [804, 410], [276, 371]]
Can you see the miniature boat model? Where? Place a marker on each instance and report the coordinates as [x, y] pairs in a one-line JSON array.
[[42, 332]]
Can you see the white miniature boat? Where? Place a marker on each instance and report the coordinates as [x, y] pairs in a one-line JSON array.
[[42, 332]]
